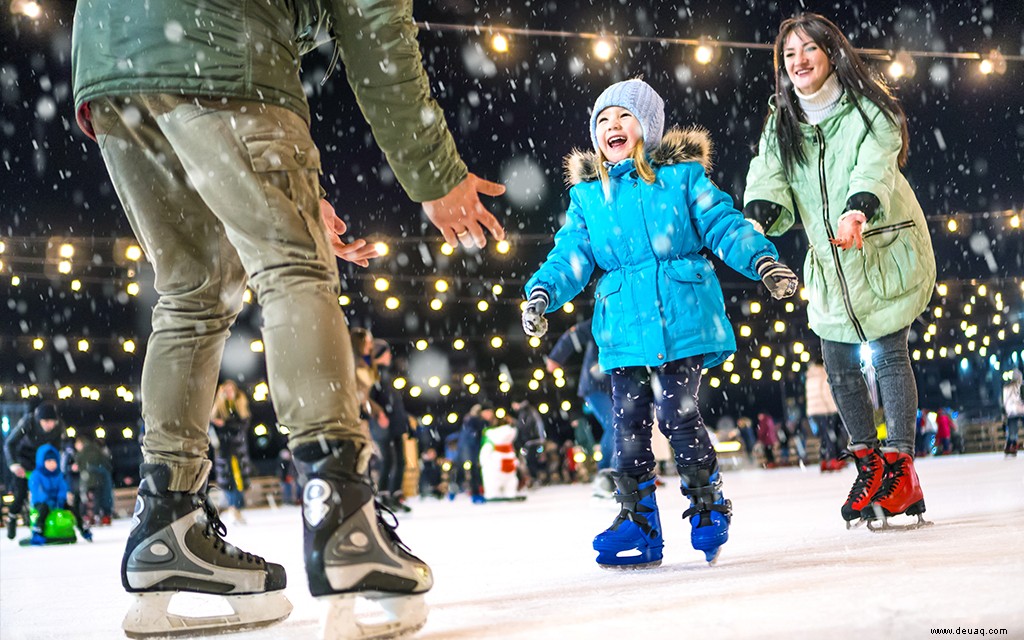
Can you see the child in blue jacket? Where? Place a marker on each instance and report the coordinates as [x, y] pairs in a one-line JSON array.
[[49, 490], [641, 209]]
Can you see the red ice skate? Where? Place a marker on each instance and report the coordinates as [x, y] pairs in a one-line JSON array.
[[870, 471], [900, 493]]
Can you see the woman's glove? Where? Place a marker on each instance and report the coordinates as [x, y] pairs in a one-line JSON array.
[[534, 322], [777, 277]]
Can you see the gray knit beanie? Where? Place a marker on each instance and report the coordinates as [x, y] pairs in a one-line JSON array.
[[637, 97]]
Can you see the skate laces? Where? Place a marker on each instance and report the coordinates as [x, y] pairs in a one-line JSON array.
[[897, 470], [215, 528], [865, 471], [389, 527]]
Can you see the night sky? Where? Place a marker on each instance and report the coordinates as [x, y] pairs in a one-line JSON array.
[[514, 116]]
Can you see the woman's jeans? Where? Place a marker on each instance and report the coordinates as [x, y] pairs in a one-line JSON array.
[[896, 385], [675, 404]]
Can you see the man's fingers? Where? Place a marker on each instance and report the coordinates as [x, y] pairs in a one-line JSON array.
[[487, 219], [487, 187]]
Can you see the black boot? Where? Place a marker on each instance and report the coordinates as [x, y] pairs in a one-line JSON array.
[[176, 544]]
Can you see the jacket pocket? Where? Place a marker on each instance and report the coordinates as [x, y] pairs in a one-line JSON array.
[[892, 259], [608, 322], [815, 282]]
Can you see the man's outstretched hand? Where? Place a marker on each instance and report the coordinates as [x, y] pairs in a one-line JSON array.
[[461, 217], [358, 251]]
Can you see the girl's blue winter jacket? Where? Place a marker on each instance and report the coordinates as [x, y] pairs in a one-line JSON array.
[[659, 299]]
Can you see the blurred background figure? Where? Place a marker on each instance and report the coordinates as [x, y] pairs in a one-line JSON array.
[[480, 417], [1013, 405], [42, 426], [95, 480], [390, 437], [230, 424], [824, 417], [768, 437], [531, 435]]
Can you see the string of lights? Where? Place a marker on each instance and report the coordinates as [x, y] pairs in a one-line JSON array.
[[705, 49]]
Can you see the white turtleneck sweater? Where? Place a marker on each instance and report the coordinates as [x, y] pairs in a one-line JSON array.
[[818, 105]]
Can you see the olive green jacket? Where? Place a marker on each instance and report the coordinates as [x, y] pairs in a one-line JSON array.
[[250, 50], [853, 295]]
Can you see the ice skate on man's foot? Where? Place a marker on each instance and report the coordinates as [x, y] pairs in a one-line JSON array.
[[709, 512], [634, 539], [870, 472], [176, 544], [352, 549], [900, 494]]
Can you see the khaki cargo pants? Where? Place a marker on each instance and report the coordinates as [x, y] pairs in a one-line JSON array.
[[221, 194]]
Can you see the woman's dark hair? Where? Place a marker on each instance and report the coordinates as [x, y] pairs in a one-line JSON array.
[[850, 70]]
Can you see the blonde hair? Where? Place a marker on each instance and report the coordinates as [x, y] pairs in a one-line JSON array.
[[643, 167], [223, 408]]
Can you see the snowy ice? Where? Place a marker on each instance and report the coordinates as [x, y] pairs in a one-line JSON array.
[[527, 571]]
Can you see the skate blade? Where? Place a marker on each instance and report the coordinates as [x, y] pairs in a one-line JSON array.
[[403, 615], [639, 566], [149, 616], [887, 526], [712, 556]]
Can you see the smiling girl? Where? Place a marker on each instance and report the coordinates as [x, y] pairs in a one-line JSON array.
[[641, 209], [831, 151]]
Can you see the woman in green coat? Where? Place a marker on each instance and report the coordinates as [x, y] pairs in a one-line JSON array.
[[830, 153]]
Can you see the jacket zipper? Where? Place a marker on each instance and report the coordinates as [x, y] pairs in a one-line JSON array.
[[828, 229], [891, 227]]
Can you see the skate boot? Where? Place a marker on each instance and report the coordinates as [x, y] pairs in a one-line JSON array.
[[1010, 451], [709, 512], [634, 540], [900, 493], [176, 544], [870, 471], [352, 550], [12, 525]]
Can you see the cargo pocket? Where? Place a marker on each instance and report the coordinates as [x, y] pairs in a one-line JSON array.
[[607, 326], [891, 260], [287, 169]]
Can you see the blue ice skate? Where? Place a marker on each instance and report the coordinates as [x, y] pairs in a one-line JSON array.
[[634, 540], [709, 511]]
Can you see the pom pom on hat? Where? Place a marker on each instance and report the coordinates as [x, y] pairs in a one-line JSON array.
[[637, 97]]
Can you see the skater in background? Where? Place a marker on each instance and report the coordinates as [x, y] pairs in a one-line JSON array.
[[768, 437], [230, 422], [824, 416], [204, 127], [391, 439], [96, 486], [594, 385], [49, 490], [659, 313], [1013, 406], [41, 426], [372, 415], [479, 417], [831, 151], [531, 434]]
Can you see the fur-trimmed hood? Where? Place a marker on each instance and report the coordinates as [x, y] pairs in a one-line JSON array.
[[677, 146]]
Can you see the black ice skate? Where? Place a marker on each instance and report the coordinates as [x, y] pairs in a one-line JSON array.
[[176, 544], [351, 550]]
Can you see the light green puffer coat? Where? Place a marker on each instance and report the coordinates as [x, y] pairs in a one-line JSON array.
[[854, 295]]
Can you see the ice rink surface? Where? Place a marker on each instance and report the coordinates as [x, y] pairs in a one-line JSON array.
[[526, 570]]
